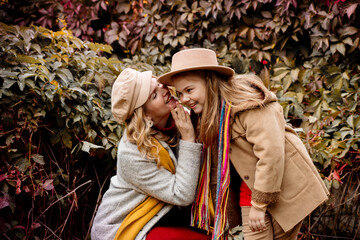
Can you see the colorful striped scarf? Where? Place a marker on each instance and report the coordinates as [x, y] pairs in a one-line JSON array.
[[202, 209]]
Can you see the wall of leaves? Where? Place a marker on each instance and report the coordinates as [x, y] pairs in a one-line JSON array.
[[58, 60]]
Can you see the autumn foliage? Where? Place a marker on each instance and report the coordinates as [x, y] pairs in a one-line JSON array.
[[58, 60]]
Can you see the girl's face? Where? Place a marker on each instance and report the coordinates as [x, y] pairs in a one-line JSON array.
[[159, 103], [191, 87]]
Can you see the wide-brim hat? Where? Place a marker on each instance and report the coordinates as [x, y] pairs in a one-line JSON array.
[[130, 91], [194, 59]]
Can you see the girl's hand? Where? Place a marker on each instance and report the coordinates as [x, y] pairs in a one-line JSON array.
[[183, 123], [256, 220]]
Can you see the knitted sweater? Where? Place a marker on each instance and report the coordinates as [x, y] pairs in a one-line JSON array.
[[137, 178]]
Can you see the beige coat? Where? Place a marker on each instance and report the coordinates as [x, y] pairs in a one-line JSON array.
[[273, 162]]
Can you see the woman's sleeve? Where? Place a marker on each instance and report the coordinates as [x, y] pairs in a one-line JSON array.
[[146, 176], [265, 130]]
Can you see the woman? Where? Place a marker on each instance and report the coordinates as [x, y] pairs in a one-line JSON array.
[[151, 178], [243, 121]]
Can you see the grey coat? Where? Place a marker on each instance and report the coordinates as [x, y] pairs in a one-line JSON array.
[[137, 178]]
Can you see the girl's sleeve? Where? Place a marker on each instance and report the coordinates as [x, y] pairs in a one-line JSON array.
[[265, 130], [145, 176]]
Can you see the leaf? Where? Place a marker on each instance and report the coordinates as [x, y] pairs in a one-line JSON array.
[[38, 158], [27, 59], [341, 48], [48, 185], [25, 75], [5, 200], [279, 75], [86, 146], [66, 138], [266, 14], [350, 10], [9, 139], [349, 31]]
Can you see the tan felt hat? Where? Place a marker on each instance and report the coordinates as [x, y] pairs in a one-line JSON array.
[[131, 90], [194, 59]]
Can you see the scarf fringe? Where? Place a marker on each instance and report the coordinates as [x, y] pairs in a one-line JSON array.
[[202, 206]]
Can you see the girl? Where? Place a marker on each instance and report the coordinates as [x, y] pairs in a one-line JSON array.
[[242, 119], [151, 178]]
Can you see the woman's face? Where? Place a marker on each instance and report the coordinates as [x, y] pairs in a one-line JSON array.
[[191, 87], [159, 103]]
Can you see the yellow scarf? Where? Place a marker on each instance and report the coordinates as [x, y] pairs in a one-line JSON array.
[[143, 213]]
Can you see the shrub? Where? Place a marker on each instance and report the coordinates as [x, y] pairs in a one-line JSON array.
[[55, 111], [305, 51]]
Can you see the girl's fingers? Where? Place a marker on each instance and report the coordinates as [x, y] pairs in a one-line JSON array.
[[181, 112]]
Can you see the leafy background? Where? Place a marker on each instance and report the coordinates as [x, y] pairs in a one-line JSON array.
[[58, 60]]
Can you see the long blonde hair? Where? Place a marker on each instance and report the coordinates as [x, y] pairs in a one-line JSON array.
[[139, 131], [235, 91]]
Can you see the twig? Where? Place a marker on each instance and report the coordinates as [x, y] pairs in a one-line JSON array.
[[328, 208], [62, 198], [67, 218], [357, 230], [337, 212], [50, 230], [330, 237], [96, 206]]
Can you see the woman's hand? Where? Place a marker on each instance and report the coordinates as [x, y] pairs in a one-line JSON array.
[[256, 220], [183, 123]]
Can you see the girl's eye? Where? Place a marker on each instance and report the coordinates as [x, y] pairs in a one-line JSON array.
[[179, 94], [154, 95], [189, 90]]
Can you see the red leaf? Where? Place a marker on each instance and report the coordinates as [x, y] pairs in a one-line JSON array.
[[4, 201], [336, 176], [350, 10], [48, 184], [35, 225], [3, 177]]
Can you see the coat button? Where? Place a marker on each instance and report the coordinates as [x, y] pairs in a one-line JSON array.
[[246, 177]]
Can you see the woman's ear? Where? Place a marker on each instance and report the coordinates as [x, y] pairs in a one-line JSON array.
[[149, 121]]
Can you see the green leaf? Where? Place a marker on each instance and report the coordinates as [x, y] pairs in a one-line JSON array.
[[341, 48], [27, 59], [66, 138], [38, 158], [25, 76], [8, 83]]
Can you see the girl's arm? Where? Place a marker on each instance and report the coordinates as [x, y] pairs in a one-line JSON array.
[[265, 130]]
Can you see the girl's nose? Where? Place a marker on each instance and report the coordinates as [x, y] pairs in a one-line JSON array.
[[184, 98]]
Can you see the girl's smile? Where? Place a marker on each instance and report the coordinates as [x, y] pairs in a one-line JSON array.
[[191, 88]]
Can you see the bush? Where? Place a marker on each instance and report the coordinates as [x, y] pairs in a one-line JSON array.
[[55, 112], [305, 51]]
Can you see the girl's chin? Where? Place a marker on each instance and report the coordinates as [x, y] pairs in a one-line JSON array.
[[197, 110]]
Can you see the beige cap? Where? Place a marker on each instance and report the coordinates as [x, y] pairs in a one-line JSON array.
[[194, 59], [130, 91]]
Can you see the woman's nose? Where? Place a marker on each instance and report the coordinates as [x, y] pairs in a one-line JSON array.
[[163, 89]]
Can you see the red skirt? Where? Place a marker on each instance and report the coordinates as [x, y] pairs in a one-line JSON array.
[[176, 233]]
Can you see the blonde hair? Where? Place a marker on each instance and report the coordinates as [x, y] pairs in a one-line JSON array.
[[235, 91], [139, 131]]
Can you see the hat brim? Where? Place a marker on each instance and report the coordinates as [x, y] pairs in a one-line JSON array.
[[223, 70]]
